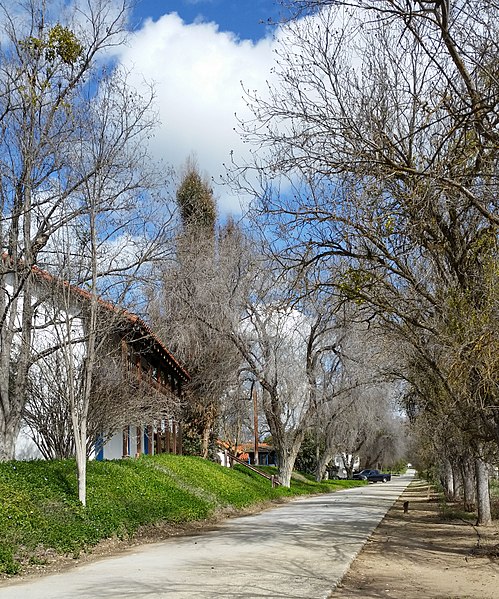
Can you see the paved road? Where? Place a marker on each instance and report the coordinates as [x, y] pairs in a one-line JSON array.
[[298, 550]]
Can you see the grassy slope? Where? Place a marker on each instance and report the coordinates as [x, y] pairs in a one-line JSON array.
[[39, 506]]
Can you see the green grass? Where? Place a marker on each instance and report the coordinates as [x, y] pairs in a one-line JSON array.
[[39, 508], [455, 512], [494, 488]]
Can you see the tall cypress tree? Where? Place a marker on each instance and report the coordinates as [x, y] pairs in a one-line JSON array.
[[196, 201]]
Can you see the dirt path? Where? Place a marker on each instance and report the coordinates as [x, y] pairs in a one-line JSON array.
[[421, 555]]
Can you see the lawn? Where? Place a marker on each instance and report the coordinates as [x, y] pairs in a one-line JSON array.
[[39, 506]]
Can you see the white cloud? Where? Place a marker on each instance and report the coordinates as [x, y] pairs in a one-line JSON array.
[[197, 72]]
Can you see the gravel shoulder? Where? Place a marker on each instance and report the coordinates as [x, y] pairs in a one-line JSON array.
[[422, 554]]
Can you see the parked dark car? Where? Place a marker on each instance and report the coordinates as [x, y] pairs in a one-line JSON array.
[[373, 476]]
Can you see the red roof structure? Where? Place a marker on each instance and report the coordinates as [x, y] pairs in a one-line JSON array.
[[134, 320]]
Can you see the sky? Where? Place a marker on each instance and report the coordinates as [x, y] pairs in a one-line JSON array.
[[198, 54], [247, 19]]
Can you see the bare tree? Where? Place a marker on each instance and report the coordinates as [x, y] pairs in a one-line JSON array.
[[287, 340], [48, 81], [124, 230], [79, 197], [358, 418], [382, 122], [189, 297]]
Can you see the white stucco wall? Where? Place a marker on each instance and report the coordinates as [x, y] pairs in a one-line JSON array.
[[113, 449], [26, 448], [54, 327]]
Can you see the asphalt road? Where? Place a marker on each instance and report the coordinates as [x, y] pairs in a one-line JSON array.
[[301, 550]]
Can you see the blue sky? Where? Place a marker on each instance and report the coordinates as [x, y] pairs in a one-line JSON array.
[[246, 18], [200, 56]]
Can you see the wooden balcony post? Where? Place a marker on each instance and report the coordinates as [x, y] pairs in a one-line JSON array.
[[126, 439], [149, 434], [139, 441], [174, 434], [138, 364], [167, 436]]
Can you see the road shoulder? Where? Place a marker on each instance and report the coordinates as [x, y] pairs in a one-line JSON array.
[[422, 554]]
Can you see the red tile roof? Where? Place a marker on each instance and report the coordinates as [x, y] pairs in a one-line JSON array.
[[131, 318]]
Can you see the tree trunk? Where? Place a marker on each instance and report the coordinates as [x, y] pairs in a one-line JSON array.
[[458, 482], [469, 486], [322, 463], [14, 366], [482, 493], [348, 463], [8, 437], [80, 437], [287, 458], [10, 417], [206, 438], [81, 463], [448, 481], [285, 470]]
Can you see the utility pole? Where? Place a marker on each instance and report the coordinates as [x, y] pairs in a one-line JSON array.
[[255, 421]]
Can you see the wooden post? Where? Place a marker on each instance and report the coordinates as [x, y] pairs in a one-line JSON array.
[[174, 434], [138, 364], [139, 441], [167, 436], [125, 441], [149, 437]]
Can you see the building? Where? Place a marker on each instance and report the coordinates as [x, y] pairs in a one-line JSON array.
[[154, 374], [137, 384], [267, 455]]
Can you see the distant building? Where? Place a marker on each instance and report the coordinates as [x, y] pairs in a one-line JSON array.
[[340, 461], [267, 455]]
